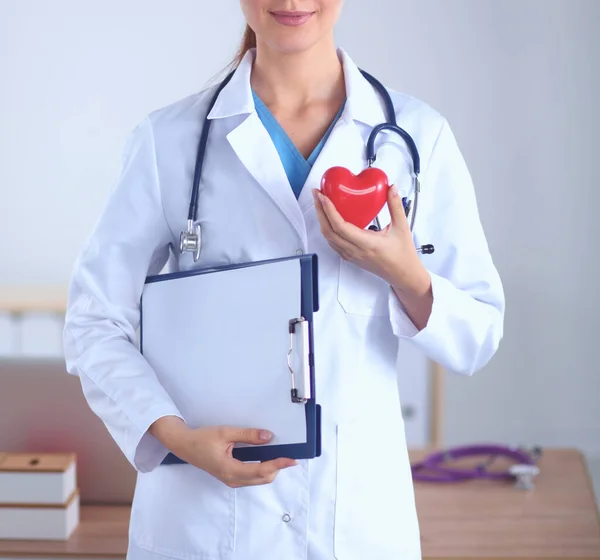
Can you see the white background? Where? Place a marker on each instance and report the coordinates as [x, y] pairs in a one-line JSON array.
[[517, 79]]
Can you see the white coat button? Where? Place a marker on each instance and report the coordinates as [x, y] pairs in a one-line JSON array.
[[299, 252], [287, 518]]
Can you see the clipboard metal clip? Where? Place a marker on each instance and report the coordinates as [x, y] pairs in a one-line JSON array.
[[300, 326]]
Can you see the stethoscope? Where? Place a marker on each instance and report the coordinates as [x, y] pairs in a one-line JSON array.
[[524, 469], [190, 240]]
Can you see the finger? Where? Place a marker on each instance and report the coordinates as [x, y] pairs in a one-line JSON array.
[[323, 219], [349, 233], [396, 206], [266, 478], [342, 247], [269, 468], [339, 250], [255, 481], [258, 473], [341, 244], [246, 435]]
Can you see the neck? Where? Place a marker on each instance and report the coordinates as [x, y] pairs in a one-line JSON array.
[[296, 80]]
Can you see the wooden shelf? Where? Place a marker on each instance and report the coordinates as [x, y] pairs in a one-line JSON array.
[[483, 520], [33, 299]]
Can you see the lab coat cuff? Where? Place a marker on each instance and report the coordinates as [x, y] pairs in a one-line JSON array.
[[147, 452], [404, 328], [402, 325]]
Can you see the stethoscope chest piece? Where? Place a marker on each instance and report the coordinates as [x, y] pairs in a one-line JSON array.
[[524, 475], [190, 240]]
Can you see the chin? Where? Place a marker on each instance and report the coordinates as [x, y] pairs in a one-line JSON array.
[[293, 45]]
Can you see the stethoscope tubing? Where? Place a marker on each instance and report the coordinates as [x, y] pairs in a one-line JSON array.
[[371, 155], [431, 469]]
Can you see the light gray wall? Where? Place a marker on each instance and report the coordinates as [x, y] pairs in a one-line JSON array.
[[517, 79], [76, 78]]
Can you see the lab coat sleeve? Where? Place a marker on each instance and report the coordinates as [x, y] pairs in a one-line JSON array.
[[130, 241], [466, 322]]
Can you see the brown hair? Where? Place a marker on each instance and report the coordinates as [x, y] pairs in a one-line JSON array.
[[248, 42]]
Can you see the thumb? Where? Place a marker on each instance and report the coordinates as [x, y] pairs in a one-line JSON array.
[[248, 435], [396, 206]]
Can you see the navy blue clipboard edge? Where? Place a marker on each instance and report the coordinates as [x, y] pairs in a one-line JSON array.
[[309, 303]]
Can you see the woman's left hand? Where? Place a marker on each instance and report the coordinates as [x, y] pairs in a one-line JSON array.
[[390, 253]]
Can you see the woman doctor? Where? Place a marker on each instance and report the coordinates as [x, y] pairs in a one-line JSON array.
[[295, 107]]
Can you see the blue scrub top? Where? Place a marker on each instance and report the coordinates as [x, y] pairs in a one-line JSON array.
[[297, 168]]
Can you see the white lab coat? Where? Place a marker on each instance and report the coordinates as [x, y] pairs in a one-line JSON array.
[[356, 501]]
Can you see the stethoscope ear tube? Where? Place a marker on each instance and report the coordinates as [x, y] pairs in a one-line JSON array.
[[190, 240], [410, 143], [371, 156], [201, 155]]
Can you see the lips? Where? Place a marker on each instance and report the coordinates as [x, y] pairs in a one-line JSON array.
[[291, 19]]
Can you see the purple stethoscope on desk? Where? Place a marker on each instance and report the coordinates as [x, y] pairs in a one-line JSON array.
[[432, 468]]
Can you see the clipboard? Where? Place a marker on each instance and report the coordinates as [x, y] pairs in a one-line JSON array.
[[174, 310]]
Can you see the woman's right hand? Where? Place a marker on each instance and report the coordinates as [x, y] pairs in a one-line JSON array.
[[211, 449]]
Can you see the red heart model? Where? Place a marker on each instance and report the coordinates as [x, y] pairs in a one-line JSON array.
[[358, 198]]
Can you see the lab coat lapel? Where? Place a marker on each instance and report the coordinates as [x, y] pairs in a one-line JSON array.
[[255, 149], [253, 145]]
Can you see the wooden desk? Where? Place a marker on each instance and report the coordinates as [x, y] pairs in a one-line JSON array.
[[490, 520], [102, 533], [484, 520]]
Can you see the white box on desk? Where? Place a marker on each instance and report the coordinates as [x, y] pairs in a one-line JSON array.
[[39, 498], [45, 478], [40, 522]]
